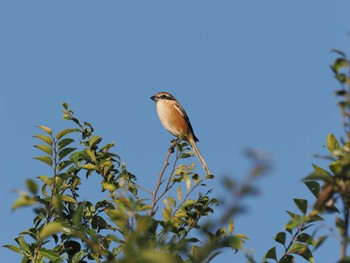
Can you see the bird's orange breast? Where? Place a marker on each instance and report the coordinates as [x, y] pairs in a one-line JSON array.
[[172, 118]]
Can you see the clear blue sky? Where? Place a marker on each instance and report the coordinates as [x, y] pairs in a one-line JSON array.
[[249, 74]]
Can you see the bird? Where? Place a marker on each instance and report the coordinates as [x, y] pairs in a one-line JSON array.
[[174, 119]]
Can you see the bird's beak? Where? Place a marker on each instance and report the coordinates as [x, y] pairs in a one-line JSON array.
[[153, 98]]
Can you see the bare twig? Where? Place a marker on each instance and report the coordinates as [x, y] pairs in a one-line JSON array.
[[160, 178], [170, 183], [142, 188]]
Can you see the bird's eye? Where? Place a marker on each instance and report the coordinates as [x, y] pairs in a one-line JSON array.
[[164, 96]]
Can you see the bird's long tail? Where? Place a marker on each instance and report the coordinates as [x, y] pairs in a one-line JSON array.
[[199, 155]]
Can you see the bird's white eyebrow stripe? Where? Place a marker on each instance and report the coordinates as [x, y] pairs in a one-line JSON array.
[[179, 109]]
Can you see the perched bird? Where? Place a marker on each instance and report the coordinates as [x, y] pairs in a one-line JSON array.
[[174, 118]]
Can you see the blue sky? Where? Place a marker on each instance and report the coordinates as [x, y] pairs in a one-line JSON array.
[[249, 74]]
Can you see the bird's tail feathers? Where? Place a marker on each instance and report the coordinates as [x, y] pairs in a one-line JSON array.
[[199, 155]]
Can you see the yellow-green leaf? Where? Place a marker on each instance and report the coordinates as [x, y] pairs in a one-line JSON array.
[[44, 159], [44, 148], [332, 143], [44, 138], [231, 227], [45, 129], [45, 179], [65, 132], [13, 248], [50, 229], [32, 186], [89, 166], [166, 214], [109, 187], [243, 236], [68, 199], [22, 201], [188, 182], [50, 254], [179, 193], [94, 140]]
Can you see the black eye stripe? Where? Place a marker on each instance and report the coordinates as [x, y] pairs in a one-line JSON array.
[[166, 97]]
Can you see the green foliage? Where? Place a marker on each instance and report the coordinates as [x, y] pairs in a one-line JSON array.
[[330, 187], [124, 226], [167, 224]]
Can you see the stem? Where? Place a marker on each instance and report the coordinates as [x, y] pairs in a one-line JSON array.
[[160, 179], [168, 185], [345, 234], [49, 212]]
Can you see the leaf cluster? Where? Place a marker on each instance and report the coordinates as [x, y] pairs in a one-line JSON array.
[[124, 226]]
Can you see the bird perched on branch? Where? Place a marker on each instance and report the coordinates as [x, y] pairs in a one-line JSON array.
[[174, 118]]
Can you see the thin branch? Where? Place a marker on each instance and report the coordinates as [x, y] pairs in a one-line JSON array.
[[345, 240], [160, 178], [142, 188], [168, 185]]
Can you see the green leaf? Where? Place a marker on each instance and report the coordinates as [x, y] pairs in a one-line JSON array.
[[340, 63], [315, 218], [63, 153], [314, 187], [280, 238], [64, 142], [65, 105], [22, 201], [172, 202], [13, 248], [332, 143], [89, 166], [188, 182], [302, 250], [44, 148], [296, 221], [78, 256], [319, 174], [94, 140], [231, 226], [44, 159], [294, 216], [209, 176], [50, 254], [45, 179], [65, 132], [166, 214], [108, 186], [23, 244], [44, 138], [271, 253], [179, 193], [49, 230], [32, 186], [63, 164], [305, 238], [301, 204], [45, 129], [68, 199], [78, 215], [287, 259]]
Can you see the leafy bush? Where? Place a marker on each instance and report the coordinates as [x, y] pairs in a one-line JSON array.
[[172, 222]]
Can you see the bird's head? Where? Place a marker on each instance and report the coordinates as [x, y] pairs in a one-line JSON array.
[[162, 96]]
